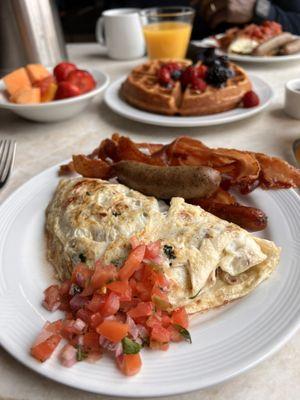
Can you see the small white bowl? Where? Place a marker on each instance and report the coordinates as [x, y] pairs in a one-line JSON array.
[[292, 98], [57, 110]]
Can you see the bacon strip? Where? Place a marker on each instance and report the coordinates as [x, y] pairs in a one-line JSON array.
[[237, 167], [91, 168], [276, 173], [241, 169], [66, 169], [223, 197]]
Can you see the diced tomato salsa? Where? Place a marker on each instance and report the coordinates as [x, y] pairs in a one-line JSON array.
[[116, 310]]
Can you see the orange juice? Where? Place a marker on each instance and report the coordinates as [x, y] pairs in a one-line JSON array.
[[167, 39]]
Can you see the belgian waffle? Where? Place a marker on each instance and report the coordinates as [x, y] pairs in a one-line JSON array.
[[142, 90], [152, 67], [216, 100]]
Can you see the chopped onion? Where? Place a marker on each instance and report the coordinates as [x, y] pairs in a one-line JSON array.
[[110, 318], [93, 356], [80, 279], [143, 332], [110, 346], [133, 330], [68, 356], [158, 260], [119, 349], [79, 324], [80, 340], [77, 302]]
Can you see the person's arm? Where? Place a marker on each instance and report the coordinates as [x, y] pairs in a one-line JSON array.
[[290, 21], [216, 12]]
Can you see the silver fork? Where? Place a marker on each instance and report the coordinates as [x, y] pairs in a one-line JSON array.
[[7, 156]]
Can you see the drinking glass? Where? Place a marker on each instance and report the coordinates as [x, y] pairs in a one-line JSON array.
[[167, 31]]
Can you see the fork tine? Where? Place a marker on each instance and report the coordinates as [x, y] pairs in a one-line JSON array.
[[9, 162], [4, 155], [2, 149]]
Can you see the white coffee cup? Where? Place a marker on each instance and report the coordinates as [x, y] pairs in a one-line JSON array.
[[120, 30], [292, 98]]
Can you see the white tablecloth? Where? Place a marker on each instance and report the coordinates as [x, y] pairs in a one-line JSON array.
[[43, 145]]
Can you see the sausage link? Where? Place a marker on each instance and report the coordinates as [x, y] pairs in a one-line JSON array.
[[250, 218], [273, 45], [165, 182]]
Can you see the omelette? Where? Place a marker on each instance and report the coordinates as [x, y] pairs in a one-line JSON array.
[[208, 261]]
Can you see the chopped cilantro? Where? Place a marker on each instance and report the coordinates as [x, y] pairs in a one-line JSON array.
[[67, 275], [130, 346], [195, 295], [82, 258], [75, 289], [117, 263], [81, 354], [183, 332], [169, 252], [146, 342]]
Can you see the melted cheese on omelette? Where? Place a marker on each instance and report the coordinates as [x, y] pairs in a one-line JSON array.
[[89, 219]]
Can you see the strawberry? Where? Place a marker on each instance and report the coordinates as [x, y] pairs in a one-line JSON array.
[[82, 79], [202, 71], [44, 83], [198, 84], [62, 70], [172, 66], [250, 99], [65, 90], [164, 76], [188, 75]]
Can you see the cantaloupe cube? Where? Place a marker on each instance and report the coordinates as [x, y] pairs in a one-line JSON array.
[[27, 96], [48, 88], [16, 80], [50, 92], [36, 72]]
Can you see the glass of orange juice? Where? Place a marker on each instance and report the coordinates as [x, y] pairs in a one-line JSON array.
[[167, 31]]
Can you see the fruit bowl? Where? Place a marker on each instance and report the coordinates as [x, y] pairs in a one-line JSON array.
[[57, 110]]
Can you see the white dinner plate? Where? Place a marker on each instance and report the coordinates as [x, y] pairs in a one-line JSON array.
[[266, 59], [226, 342], [118, 105], [248, 58]]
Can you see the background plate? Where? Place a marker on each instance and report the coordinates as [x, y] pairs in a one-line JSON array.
[[248, 58], [226, 342], [114, 101], [261, 60]]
